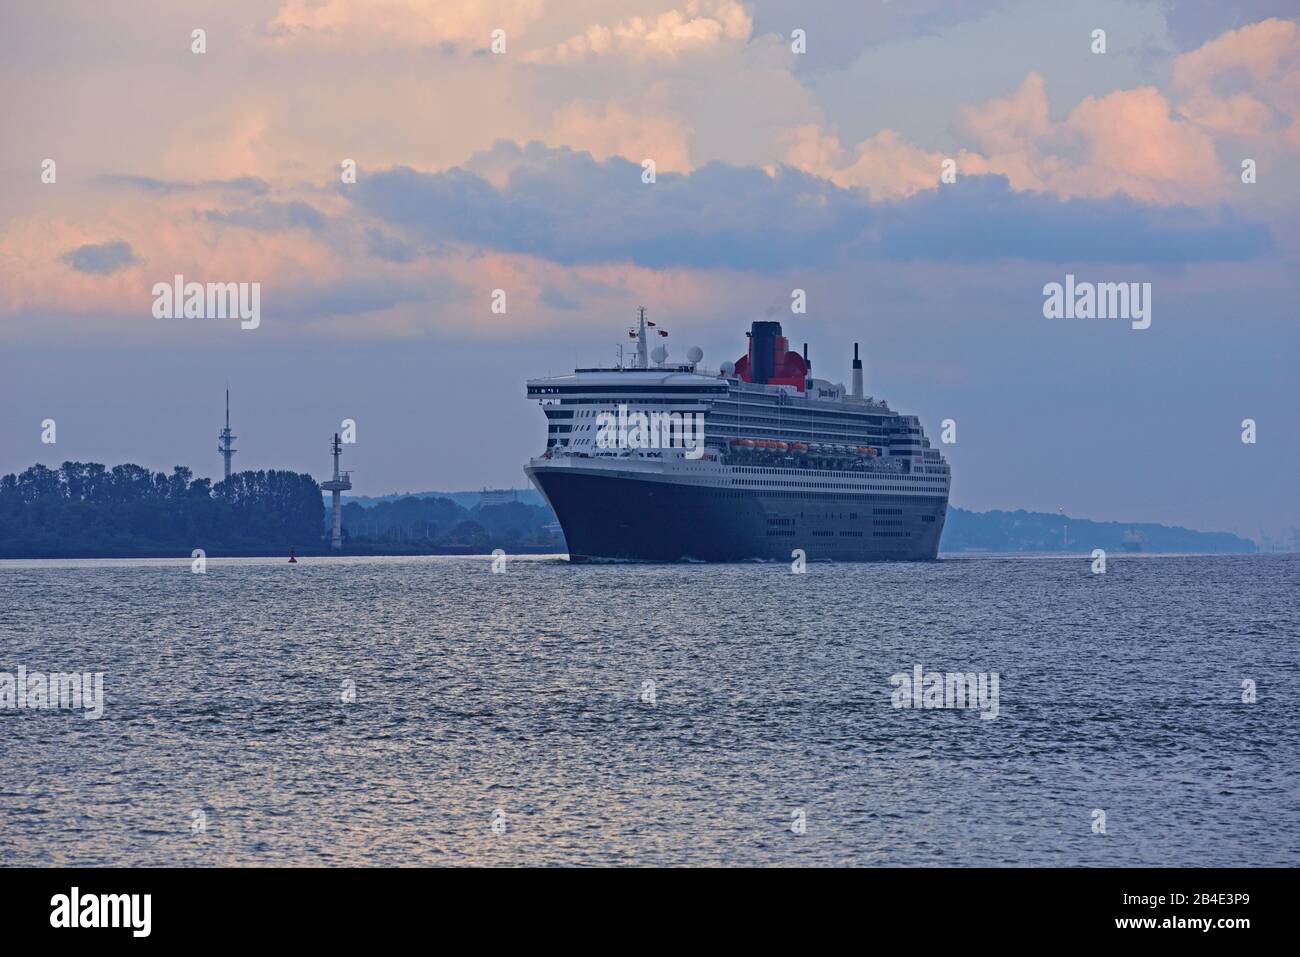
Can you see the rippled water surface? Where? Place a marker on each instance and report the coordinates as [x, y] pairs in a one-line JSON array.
[[518, 696]]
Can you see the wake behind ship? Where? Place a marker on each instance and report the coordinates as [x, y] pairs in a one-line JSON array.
[[783, 462]]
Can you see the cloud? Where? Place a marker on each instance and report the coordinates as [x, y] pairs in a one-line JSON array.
[[761, 172], [616, 129], [569, 208], [384, 245], [1245, 83], [101, 259], [981, 218], [55, 264], [841, 31], [373, 24], [885, 165], [1160, 146], [353, 295], [915, 82], [556, 298], [270, 217], [1128, 141], [150, 184], [700, 25]]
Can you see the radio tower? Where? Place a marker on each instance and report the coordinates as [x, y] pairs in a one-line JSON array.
[[341, 482], [226, 448]]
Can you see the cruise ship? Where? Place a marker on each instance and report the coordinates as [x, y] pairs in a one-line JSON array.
[[785, 466]]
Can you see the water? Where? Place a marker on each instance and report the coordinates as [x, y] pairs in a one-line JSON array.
[[521, 692]]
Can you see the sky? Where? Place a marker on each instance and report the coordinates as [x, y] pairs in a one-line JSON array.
[[514, 161]]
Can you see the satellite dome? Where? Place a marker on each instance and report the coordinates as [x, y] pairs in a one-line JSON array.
[[694, 354], [659, 354], [728, 368]]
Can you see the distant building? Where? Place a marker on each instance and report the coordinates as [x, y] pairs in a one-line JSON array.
[[341, 482], [497, 496], [227, 439]]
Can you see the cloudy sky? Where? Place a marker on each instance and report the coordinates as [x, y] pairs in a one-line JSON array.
[[522, 171]]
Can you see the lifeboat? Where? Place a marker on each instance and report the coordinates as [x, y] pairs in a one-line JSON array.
[[783, 446], [747, 443]]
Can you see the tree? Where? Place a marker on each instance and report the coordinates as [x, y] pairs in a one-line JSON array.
[[82, 509]]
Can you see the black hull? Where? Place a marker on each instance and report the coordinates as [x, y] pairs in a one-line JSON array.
[[610, 517]]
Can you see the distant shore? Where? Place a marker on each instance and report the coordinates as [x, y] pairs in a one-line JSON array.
[[87, 510], [542, 550], [317, 552]]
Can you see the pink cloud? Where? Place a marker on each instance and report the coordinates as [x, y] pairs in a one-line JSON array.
[[698, 25], [371, 24], [1137, 146], [606, 129], [1128, 141], [1139, 142], [886, 165], [1245, 84]]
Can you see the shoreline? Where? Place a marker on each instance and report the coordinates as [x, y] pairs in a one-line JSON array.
[[550, 553]]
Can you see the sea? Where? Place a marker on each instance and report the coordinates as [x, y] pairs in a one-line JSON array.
[[527, 711]]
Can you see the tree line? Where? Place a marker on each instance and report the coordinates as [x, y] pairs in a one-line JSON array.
[[431, 524], [1022, 531], [83, 509]]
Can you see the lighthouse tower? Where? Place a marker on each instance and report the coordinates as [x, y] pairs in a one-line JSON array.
[[227, 438], [341, 482]]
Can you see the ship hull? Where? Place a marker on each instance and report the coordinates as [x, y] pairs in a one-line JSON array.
[[612, 516]]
